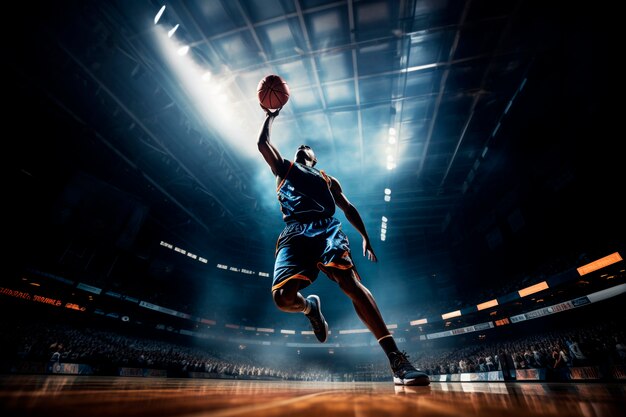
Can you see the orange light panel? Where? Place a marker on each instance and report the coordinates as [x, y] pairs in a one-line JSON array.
[[599, 263], [487, 304], [533, 289], [451, 314], [418, 322]]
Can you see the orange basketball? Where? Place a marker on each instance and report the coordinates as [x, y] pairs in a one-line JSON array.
[[273, 92]]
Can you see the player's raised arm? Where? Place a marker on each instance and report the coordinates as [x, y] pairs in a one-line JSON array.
[[353, 217], [271, 155]]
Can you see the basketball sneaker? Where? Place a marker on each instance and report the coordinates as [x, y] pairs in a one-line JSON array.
[[315, 316], [404, 373]]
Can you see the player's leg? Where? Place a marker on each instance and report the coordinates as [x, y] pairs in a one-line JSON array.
[[288, 298], [404, 373], [362, 299], [294, 269]]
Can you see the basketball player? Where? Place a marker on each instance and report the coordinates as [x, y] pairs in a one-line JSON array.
[[312, 240]]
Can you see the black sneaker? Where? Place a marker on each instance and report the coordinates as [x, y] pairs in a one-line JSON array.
[[404, 373], [320, 327]]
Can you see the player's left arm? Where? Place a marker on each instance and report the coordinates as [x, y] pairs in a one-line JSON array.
[[353, 216]]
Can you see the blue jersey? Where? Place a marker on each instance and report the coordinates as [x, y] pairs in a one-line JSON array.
[[304, 194]]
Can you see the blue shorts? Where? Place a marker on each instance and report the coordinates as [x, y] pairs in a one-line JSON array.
[[303, 249]]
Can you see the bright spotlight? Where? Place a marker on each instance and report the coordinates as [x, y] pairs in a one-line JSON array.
[[172, 31], [158, 15], [192, 77], [206, 77], [392, 131], [387, 191], [387, 198], [384, 219], [391, 165]]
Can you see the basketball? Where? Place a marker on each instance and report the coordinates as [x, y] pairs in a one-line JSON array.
[[273, 92]]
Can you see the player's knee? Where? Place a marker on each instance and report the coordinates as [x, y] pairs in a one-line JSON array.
[[281, 299]]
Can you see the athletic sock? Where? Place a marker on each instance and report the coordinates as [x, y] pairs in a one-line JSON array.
[[307, 307], [388, 344]]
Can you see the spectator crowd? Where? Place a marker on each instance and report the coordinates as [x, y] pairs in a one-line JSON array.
[[106, 350]]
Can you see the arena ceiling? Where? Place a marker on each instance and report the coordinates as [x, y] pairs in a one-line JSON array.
[[463, 109]]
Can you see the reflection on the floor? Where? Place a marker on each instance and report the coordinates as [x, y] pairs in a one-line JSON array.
[[114, 396]]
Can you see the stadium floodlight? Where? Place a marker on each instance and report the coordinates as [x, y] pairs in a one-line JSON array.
[[182, 51], [353, 331], [158, 15], [420, 67], [171, 32]]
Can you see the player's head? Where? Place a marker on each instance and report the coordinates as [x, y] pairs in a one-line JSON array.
[[306, 156]]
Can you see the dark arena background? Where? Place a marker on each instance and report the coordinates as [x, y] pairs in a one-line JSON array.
[[473, 137]]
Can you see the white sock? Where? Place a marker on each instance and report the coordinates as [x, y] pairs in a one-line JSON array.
[[307, 307]]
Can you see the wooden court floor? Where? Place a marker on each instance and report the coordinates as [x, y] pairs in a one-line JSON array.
[[69, 396]]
